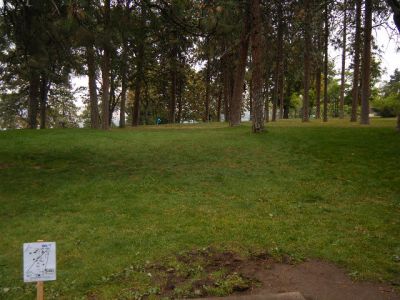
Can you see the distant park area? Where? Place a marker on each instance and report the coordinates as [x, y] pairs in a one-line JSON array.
[[119, 202]]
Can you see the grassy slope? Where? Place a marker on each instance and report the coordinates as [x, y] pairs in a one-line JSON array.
[[112, 199]]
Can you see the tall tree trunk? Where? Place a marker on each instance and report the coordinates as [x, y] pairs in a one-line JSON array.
[[280, 60], [138, 85], [251, 98], [105, 73], [366, 64], [318, 92], [307, 58], [275, 91], [180, 99], [227, 87], [356, 71], [219, 104], [326, 59], [287, 103], [122, 109], [267, 92], [342, 79], [395, 5], [318, 70], [112, 101], [33, 102], [172, 103], [94, 108], [206, 117], [44, 89], [256, 77], [236, 101]]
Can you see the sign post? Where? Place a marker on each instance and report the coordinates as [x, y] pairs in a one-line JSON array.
[[39, 264]]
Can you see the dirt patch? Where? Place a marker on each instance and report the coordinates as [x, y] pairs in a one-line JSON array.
[[210, 273], [201, 273], [318, 280]]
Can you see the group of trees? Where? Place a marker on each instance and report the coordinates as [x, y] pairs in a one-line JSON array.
[[183, 60]]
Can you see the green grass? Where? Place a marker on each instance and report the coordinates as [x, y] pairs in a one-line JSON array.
[[120, 198]]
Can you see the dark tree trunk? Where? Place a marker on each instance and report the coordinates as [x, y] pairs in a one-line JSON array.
[[236, 101], [356, 71], [318, 70], [112, 98], [227, 87], [267, 92], [307, 58], [318, 93], [123, 86], [180, 99], [366, 63], [94, 106], [172, 103], [105, 73], [33, 104], [395, 6], [206, 117], [251, 99], [44, 90], [326, 58], [342, 79], [219, 104], [174, 78], [275, 91], [256, 53], [280, 60], [138, 85], [287, 103]]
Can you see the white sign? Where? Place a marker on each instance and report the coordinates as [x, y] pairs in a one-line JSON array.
[[39, 261]]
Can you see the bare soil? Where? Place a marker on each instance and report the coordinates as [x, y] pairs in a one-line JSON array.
[[262, 275], [316, 280]]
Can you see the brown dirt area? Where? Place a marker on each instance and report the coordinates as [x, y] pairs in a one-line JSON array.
[[209, 273]]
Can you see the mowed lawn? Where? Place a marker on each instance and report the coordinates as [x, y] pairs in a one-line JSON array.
[[122, 198]]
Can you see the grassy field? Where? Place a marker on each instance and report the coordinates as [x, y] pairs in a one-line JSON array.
[[122, 198]]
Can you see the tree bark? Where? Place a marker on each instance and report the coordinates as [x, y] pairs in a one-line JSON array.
[[342, 77], [257, 81], [94, 108], [122, 109], [219, 104], [227, 87], [395, 6], [275, 91], [172, 103], [33, 101], [280, 60], [267, 92], [236, 101], [366, 69], [318, 93], [287, 103], [44, 90], [206, 117], [180, 99], [138, 85], [356, 70], [307, 58], [326, 60], [105, 73]]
